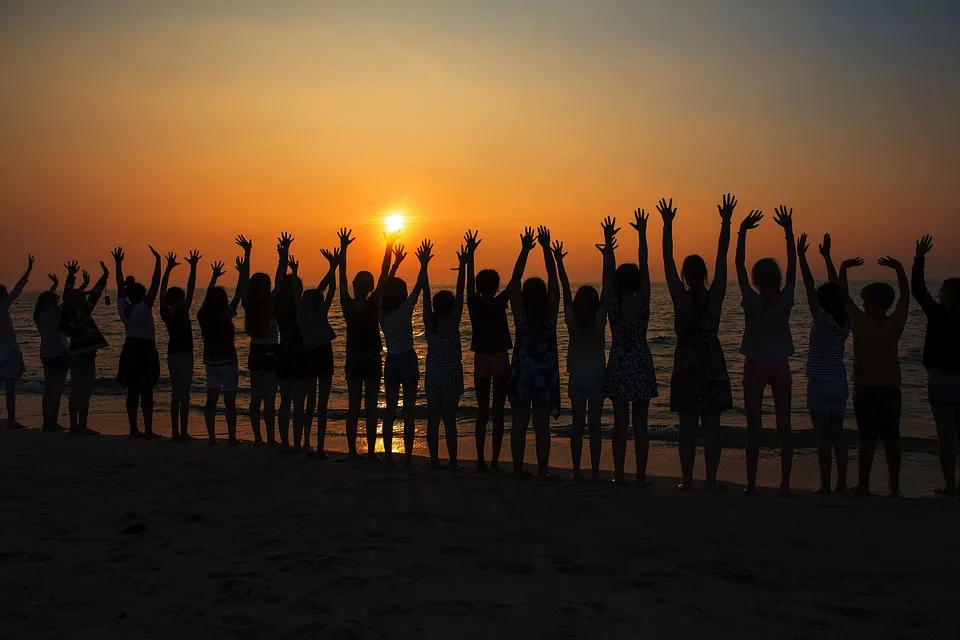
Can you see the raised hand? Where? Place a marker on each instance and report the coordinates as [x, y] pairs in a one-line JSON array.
[[117, 255], [610, 229], [752, 221], [667, 210], [726, 208], [391, 237], [784, 217], [398, 255], [345, 239], [245, 244], [613, 246], [53, 279], [85, 280], [294, 264], [851, 262], [472, 241], [195, 256], [558, 252], [825, 247], [889, 262], [802, 245], [239, 263], [284, 242], [172, 260], [72, 267], [463, 255], [527, 239], [103, 267], [543, 237], [924, 245], [217, 269], [156, 254], [425, 252], [30, 260], [333, 257], [640, 218]]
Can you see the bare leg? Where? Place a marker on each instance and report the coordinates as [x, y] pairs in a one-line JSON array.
[[821, 425], [184, 417], [146, 409], [256, 403], [409, 419], [840, 450], [133, 408], [270, 386], [354, 400], [541, 430], [389, 416], [301, 425], [687, 447], [946, 447], [782, 398], [283, 411], [753, 406], [174, 418], [54, 382], [371, 401], [867, 450], [712, 447], [641, 440], [323, 400], [230, 413], [10, 389], [578, 405], [450, 406], [210, 414], [621, 418], [310, 410], [434, 415], [482, 386], [81, 386], [594, 422], [891, 449], [518, 434], [500, 385]]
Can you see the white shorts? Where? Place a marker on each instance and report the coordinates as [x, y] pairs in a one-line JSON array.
[[225, 377]]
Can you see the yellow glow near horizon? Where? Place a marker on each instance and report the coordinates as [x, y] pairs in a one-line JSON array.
[[394, 222]]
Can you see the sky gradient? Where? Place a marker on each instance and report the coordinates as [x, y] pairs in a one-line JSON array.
[[184, 123]]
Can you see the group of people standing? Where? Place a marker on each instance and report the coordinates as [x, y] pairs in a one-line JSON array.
[[291, 356]]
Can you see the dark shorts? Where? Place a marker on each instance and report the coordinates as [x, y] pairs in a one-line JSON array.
[[291, 362], [83, 362], [56, 363], [262, 357], [878, 412], [402, 368], [139, 363], [363, 365], [320, 362]]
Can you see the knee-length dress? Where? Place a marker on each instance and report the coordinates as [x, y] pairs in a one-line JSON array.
[[700, 382], [443, 378], [630, 374], [534, 369]]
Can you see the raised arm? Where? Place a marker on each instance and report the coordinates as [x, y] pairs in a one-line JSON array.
[[752, 221], [718, 288], [424, 255], [527, 243], [553, 285], [808, 282], [640, 224], [193, 260], [243, 269], [345, 241], [328, 286], [154, 280], [609, 260], [283, 258], [784, 218], [424, 281], [99, 287], [386, 272], [55, 282], [674, 284], [463, 257], [472, 243], [903, 300], [84, 282], [216, 272], [165, 280], [558, 256], [842, 281], [118, 265], [917, 281], [14, 293]]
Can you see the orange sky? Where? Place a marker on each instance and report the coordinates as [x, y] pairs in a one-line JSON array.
[[182, 126]]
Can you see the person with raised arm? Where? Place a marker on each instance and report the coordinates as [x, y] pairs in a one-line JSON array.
[[767, 344], [630, 380], [491, 344], [139, 361], [11, 358], [877, 399], [215, 318], [534, 389], [53, 347], [443, 378], [401, 371], [700, 383], [77, 323], [941, 358], [175, 306], [363, 367], [291, 365], [260, 324], [318, 338], [827, 387], [586, 319]]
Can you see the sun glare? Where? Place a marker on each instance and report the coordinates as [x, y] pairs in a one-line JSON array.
[[394, 222]]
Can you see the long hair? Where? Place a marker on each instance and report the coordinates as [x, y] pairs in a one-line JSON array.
[[286, 303], [586, 304], [259, 305], [363, 285], [46, 301], [766, 274], [627, 278], [394, 293], [534, 297], [215, 309], [444, 303], [134, 292], [830, 299], [694, 272]]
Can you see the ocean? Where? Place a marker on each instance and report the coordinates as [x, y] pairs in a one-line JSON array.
[[917, 421]]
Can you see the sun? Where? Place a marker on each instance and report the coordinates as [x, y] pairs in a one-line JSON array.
[[394, 222]]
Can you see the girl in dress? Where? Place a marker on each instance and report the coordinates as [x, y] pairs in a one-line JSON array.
[[11, 359], [53, 347], [700, 384]]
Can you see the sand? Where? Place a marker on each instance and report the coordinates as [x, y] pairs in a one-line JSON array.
[[108, 537]]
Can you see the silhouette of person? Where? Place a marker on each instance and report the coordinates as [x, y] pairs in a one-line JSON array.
[[53, 346], [767, 344], [222, 369], [534, 387], [363, 365], [630, 380], [877, 400], [827, 387], [11, 358], [139, 361], [491, 344], [291, 365], [941, 357], [175, 306], [700, 383], [443, 377]]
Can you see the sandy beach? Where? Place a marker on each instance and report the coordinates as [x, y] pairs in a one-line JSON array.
[[107, 537]]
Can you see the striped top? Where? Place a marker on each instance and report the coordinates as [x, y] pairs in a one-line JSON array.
[[827, 342]]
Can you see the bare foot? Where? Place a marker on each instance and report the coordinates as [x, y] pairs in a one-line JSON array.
[[750, 491]]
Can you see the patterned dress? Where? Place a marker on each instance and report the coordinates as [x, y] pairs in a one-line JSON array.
[[630, 374], [700, 381], [534, 370], [443, 379]]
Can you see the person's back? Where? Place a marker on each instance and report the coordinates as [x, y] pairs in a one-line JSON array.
[[766, 328], [218, 333], [586, 351], [876, 350], [825, 353], [362, 318], [53, 343], [137, 319], [489, 324], [179, 329]]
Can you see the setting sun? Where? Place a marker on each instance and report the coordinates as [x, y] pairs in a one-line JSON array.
[[394, 222]]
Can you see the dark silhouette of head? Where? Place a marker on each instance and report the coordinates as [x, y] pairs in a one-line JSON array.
[[767, 276], [3, 291], [877, 298], [627, 278], [394, 293], [259, 306], [694, 272], [73, 300], [586, 304], [950, 293], [175, 297], [444, 303], [487, 282], [286, 305], [830, 299], [534, 297], [46, 301], [133, 291], [312, 300], [363, 285]]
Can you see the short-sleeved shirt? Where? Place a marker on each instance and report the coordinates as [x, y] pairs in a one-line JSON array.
[[363, 325], [586, 352], [491, 329], [876, 356], [766, 332], [179, 329], [397, 326], [138, 323], [219, 337], [52, 342], [828, 340]]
